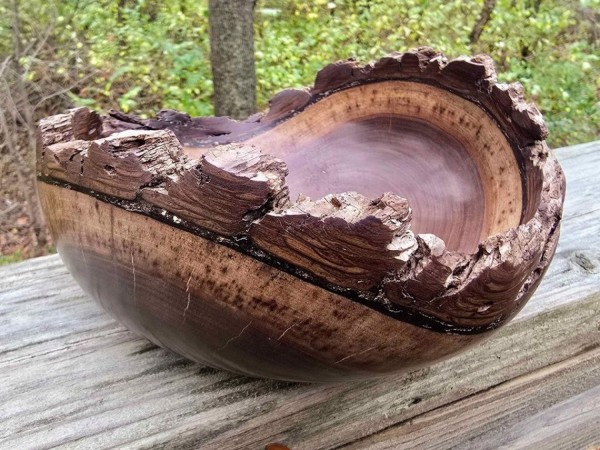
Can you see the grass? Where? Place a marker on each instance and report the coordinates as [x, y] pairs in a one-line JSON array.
[[12, 258]]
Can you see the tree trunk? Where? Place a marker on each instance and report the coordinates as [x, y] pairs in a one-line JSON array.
[[232, 57], [484, 18]]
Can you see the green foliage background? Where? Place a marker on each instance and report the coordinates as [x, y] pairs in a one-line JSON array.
[[142, 55]]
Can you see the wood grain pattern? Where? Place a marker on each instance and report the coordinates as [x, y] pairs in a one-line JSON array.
[[573, 422], [463, 226], [318, 335], [345, 238], [229, 189], [119, 165], [531, 411], [99, 385], [71, 377], [364, 137]]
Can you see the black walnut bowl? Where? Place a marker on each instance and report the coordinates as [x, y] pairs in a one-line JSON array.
[[436, 213]]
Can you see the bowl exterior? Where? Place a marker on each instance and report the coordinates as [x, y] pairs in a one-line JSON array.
[[225, 309]]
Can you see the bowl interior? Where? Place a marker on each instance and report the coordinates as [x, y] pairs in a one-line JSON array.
[[440, 151], [411, 158]]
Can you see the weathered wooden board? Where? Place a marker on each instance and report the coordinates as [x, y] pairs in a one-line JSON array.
[[572, 423], [70, 376], [505, 415]]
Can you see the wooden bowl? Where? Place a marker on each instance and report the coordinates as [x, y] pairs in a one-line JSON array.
[[436, 213]]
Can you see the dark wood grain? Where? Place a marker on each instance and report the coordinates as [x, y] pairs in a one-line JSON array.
[[354, 153], [216, 305], [414, 193]]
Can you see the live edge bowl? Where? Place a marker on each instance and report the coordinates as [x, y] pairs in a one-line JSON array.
[[388, 217]]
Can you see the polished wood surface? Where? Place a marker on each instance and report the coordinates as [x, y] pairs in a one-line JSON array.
[[441, 152], [439, 213], [215, 305]]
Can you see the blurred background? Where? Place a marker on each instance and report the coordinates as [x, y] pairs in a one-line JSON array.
[[145, 55]]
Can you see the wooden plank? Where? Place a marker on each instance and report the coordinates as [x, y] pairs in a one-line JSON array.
[[70, 376], [572, 423], [514, 414]]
